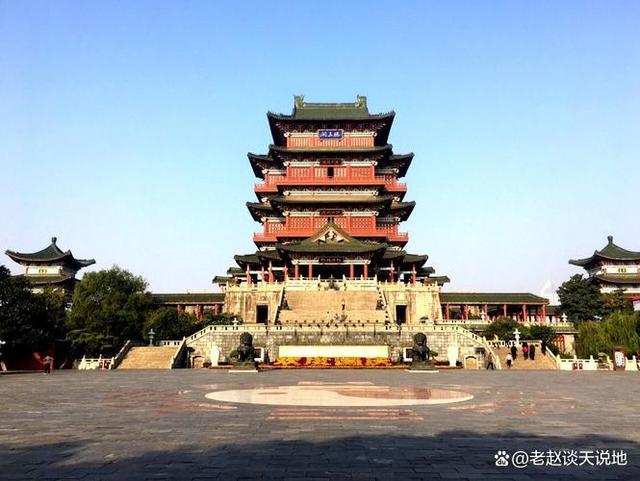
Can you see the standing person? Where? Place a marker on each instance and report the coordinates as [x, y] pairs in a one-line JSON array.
[[509, 360], [532, 352], [490, 362], [525, 351], [47, 364], [543, 348], [514, 351]]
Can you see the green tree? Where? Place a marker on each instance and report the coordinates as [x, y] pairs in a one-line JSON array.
[[616, 302], [542, 333], [108, 307], [503, 328], [28, 320], [580, 299], [222, 319], [168, 324], [618, 329]]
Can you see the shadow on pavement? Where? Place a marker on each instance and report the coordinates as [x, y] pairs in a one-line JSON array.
[[448, 455]]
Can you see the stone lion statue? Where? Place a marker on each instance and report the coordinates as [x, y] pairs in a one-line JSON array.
[[420, 350], [246, 351]]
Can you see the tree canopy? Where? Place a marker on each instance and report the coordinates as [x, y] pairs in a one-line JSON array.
[[580, 299], [108, 307], [28, 320], [168, 324], [618, 329]]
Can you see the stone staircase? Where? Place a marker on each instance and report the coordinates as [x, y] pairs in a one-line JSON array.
[[541, 362], [359, 306], [148, 357]]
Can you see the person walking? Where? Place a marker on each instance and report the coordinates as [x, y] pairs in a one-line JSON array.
[[514, 351], [509, 360], [47, 360], [543, 348], [490, 362], [525, 351], [532, 352]]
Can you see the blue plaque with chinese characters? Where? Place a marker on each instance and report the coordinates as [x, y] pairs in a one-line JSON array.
[[328, 134]]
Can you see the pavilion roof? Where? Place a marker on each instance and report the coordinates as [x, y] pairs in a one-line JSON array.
[[618, 278], [51, 254], [332, 239], [401, 161], [491, 298], [384, 200], [403, 209], [259, 209], [441, 280], [609, 252], [331, 113], [45, 280]]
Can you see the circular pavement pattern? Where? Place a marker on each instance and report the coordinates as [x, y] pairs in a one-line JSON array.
[[340, 395]]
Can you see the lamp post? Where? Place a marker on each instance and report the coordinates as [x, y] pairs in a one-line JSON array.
[[151, 335]]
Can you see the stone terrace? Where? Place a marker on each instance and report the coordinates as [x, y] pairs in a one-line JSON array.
[[137, 425]]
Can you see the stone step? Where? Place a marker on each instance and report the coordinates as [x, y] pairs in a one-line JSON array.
[[332, 301], [322, 316], [148, 357], [541, 362]]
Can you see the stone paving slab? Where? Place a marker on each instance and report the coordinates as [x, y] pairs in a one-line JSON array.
[[158, 425]]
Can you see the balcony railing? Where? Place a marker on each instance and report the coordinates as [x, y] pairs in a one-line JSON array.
[[274, 234], [272, 182]]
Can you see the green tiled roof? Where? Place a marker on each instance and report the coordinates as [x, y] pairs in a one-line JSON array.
[[188, 298], [315, 244], [357, 110], [610, 252], [491, 298], [618, 278], [329, 153], [341, 199], [440, 280], [221, 279], [44, 280], [50, 254]]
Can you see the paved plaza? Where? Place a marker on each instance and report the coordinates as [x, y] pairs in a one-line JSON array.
[[331, 424]]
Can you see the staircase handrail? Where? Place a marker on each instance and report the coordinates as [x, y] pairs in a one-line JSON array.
[[117, 359], [279, 304], [386, 304], [178, 353]]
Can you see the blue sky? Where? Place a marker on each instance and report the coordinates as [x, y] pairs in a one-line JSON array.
[[124, 126]]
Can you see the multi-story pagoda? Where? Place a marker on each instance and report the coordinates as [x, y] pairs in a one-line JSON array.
[[330, 203], [50, 267], [612, 268]]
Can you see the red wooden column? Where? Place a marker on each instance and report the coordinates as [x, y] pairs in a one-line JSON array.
[[447, 315], [296, 271], [366, 271], [413, 274], [310, 271], [248, 276], [262, 274], [391, 272], [504, 310], [524, 313], [544, 312], [486, 311], [270, 271], [465, 312], [351, 271]]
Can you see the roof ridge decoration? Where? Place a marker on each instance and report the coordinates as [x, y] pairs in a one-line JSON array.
[[610, 252], [50, 253], [360, 103]]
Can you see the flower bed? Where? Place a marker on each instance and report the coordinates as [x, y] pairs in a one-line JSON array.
[[346, 362]]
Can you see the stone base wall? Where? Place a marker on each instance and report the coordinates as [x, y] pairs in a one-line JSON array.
[[422, 301], [227, 338], [316, 301]]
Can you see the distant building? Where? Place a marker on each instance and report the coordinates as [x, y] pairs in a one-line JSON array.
[[50, 267], [613, 268]]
